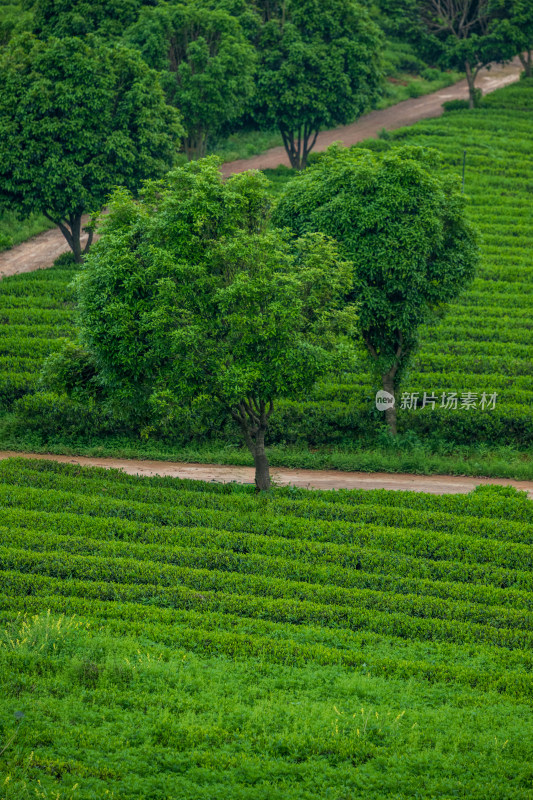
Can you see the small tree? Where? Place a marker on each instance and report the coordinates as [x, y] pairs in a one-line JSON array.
[[405, 230], [188, 295], [206, 66], [520, 16], [462, 34], [320, 66], [77, 118]]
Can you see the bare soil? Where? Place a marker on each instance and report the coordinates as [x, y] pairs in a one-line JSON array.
[[305, 478], [38, 252]]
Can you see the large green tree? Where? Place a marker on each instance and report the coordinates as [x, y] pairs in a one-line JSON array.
[[466, 35], [320, 66], [187, 294], [76, 119], [206, 65], [405, 230]]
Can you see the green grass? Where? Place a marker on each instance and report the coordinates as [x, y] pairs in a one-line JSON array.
[[245, 144], [163, 638], [14, 231]]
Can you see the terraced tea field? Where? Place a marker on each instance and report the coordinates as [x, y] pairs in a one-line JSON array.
[[484, 344], [168, 638]]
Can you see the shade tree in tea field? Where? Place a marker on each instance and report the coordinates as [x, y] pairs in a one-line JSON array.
[[205, 62], [466, 35], [76, 119], [319, 66], [520, 16], [405, 230], [189, 295]]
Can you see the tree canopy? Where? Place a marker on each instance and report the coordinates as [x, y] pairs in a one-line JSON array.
[[405, 230], [461, 34], [320, 66], [14, 19], [188, 294], [76, 119], [519, 14], [206, 65], [60, 18]]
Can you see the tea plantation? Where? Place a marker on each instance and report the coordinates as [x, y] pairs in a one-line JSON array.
[[165, 638], [484, 343]]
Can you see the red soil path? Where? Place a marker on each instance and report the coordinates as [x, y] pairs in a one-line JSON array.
[[306, 478]]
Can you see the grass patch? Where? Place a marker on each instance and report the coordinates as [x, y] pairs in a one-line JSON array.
[[14, 231]]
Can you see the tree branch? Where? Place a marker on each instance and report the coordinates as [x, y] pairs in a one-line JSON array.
[[371, 349]]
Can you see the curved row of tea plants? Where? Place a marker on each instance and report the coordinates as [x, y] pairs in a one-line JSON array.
[[316, 607]]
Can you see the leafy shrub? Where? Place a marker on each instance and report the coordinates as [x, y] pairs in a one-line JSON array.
[[431, 74], [497, 489], [415, 90], [72, 371], [53, 414], [455, 105], [6, 241]]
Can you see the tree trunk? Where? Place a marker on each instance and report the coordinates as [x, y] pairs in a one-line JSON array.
[[75, 229], [470, 79], [253, 417], [195, 145], [298, 144], [388, 377], [72, 234], [526, 63], [390, 411], [262, 470]]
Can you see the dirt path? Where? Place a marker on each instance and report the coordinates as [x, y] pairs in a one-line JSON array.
[[397, 116], [306, 478], [42, 250], [36, 253]]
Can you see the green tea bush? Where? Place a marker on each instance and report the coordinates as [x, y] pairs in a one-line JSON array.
[[196, 637]]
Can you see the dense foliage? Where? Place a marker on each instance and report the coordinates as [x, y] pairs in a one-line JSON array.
[[205, 62], [76, 119], [319, 66], [229, 645], [187, 295], [405, 230], [107, 18], [13, 20]]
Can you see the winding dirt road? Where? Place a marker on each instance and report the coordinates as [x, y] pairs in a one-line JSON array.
[[398, 116], [305, 478], [42, 250]]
